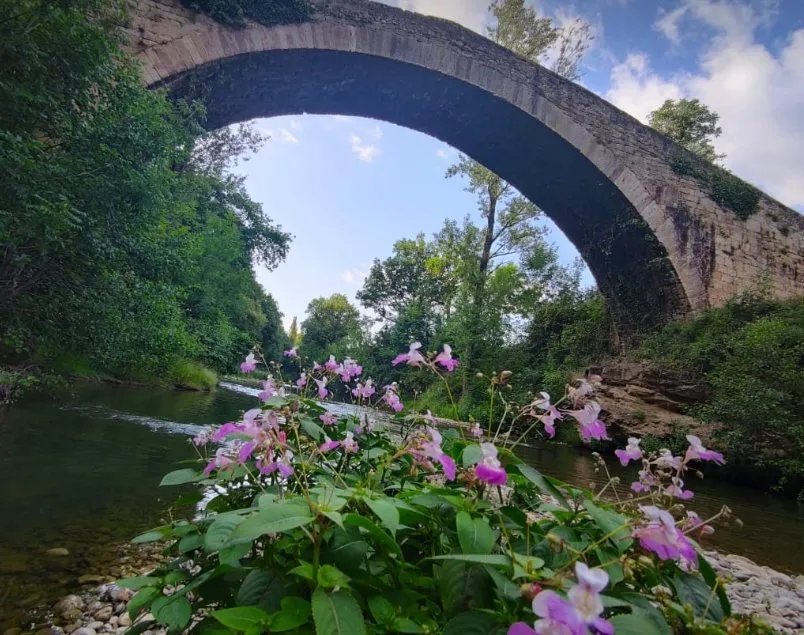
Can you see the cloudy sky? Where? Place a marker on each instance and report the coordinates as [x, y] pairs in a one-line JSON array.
[[349, 188]]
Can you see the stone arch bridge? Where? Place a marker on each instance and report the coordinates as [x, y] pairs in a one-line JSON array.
[[662, 233]]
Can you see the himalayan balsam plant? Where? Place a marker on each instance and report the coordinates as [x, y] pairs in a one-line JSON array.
[[312, 522]]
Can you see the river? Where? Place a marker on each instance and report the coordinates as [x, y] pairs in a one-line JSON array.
[[81, 472]]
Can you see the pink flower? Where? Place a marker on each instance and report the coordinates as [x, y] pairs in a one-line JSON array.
[[202, 438], [291, 353], [349, 444], [328, 445], [331, 364], [591, 427], [221, 462], [549, 421], [322, 388], [698, 451], [412, 358], [225, 430], [249, 365], [585, 597], [694, 522], [661, 536], [490, 470], [271, 464], [446, 360], [391, 398], [349, 370], [427, 448], [646, 481], [329, 418], [676, 489], [476, 431], [301, 382], [268, 390], [632, 452], [558, 617], [364, 391]]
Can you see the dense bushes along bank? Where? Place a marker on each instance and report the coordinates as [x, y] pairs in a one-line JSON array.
[[126, 244]]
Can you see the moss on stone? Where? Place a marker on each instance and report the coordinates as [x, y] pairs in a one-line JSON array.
[[723, 187], [237, 13]]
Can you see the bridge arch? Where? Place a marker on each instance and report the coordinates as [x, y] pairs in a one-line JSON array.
[[657, 244]]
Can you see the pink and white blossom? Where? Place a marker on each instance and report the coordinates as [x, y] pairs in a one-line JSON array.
[[349, 370], [412, 358], [249, 365], [446, 360], [221, 461], [489, 469], [331, 364], [676, 489], [661, 536], [364, 391], [269, 390], [632, 452], [271, 464], [391, 398], [698, 451], [590, 425], [329, 418], [694, 523], [291, 353], [476, 431], [322, 388], [301, 382], [426, 448]]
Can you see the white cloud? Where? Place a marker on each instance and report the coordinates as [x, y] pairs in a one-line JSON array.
[[668, 23], [296, 125], [441, 153], [354, 276], [759, 95], [469, 13], [365, 146], [287, 136]]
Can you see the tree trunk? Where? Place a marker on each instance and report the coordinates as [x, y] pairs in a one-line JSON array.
[[468, 361]]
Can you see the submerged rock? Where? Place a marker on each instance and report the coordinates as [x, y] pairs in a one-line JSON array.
[[58, 552], [68, 603]]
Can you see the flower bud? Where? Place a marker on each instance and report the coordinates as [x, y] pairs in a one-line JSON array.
[[530, 590], [645, 561]]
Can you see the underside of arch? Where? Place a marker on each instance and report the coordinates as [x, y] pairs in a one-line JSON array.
[[630, 265]]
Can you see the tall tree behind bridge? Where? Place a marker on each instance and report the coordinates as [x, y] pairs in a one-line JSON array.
[[690, 124], [510, 217]]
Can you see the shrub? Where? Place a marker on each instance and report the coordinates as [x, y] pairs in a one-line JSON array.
[[194, 376], [316, 523]]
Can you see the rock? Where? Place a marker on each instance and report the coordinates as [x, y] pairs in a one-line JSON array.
[[124, 620], [95, 625], [85, 630], [90, 578], [11, 562], [12, 631], [119, 594], [777, 622], [58, 552], [94, 606], [51, 630], [103, 614], [120, 608], [67, 603]]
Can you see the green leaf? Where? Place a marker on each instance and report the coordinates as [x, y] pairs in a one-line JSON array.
[[638, 623], [386, 512], [140, 627], [190, 542], [331, 577], [354, 520], [463, 587], [335, 517], [542, 483], [474, 534], [304, 570], [138, 582], [220, 531], [273, 520], [710, 577], [694, 591], [152, 536], [505, 587], [295, 612], [405, 625], [263, 588], [381, 609], [142, 600], [347, 549], [644, 606], [173, 611], [180, 477], [231, 555], [312, 429], [471, 455], [337, 614], [496, 559], [474, 623], [611, 524], [242, 618]]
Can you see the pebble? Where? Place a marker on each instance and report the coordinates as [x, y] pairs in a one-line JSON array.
[[90, 578], [68, 603], [85, 630], [95, 625], [124, 620], [58, 552], [103, 614]]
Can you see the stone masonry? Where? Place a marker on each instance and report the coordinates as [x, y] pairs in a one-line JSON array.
[[657, 244]]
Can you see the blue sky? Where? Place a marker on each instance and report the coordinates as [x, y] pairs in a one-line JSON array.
[[348, 188]]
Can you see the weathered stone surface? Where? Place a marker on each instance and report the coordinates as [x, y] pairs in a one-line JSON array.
[[657, 243]]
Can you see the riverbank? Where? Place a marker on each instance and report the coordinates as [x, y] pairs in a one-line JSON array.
[[772, 597]]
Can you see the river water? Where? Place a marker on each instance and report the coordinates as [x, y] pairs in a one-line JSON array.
[[81, 472]]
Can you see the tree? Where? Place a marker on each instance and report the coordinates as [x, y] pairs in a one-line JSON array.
[[332, 326], [690, 124], [293, 333], [509, 217]]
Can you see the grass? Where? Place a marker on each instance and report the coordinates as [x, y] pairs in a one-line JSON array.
[[193, 376]]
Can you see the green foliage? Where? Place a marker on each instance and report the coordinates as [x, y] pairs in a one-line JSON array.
[[127, 245], [751, 352], [689, 123], [237, 13], [193, 376], [362, 540], [724, 187], [332, 327]]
